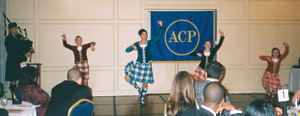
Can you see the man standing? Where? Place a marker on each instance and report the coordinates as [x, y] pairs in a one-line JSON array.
[[65, 94], [16, 54], [80, 55]]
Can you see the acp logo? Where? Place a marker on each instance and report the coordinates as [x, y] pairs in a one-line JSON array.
[[182, 37]]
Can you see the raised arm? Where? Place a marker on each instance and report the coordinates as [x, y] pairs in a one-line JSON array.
[[221, 41], [286, 51], [65, 42], [157, 36]]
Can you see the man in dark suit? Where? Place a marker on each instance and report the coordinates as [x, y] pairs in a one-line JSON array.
[[65, 94], [214, 102], [214, 74]]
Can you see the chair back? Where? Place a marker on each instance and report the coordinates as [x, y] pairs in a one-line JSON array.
[[83, 107]]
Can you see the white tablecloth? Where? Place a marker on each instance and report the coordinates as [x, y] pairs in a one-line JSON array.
[[294, 79], [27, 109]]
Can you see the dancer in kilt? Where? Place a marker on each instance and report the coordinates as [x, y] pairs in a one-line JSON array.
[[207, 56], [80, 55], [141, 71], [270, 80]]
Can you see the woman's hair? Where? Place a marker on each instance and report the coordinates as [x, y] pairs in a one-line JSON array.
[[182, 93], [141, 31], [277, 50], [28, 76], [207, 41], [260, 108]]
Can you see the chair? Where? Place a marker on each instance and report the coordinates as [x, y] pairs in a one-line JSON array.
[[82, 107]]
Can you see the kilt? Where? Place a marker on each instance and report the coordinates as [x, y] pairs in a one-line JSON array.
[[272, 80], [200, 74], [83, 66], [13, 71], [140, 72]]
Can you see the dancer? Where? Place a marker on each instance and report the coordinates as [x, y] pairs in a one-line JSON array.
[[207, 56], [141, 71], [270, 78], [80, 55]]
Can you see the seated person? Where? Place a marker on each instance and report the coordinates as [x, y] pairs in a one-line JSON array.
[[31, 92], [262, 108], [214, 74], [214, 102], [3, 112], [182, 96], [296, 97], [65, 94]]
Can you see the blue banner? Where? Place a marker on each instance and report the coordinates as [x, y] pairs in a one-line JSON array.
[[184, 32]]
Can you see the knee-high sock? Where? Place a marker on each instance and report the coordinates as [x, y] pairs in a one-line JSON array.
[[134, 84], [12, 88], [144, 91]]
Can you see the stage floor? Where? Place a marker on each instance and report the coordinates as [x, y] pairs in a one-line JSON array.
[[130, 106]]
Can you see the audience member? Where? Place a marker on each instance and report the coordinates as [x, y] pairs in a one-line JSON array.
[[31, 92], [214, 102], [65, 94], [3, 112], [182, 96], [296, 96], [262, 108], [214, 74]]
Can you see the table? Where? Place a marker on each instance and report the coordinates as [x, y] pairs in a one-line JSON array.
[[38, 66], [24, 109], [294, 84]]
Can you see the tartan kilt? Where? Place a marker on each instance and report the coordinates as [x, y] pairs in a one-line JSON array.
[[200, 74], [83, 66], [272, 80], [140, 72]]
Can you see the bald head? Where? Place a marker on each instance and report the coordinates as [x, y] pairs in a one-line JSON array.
[[74, 74], [213, 93]]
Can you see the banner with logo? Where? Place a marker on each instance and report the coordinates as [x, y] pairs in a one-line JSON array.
[[184, 33]]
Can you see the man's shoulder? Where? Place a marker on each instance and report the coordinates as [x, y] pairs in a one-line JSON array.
[[201, 83]]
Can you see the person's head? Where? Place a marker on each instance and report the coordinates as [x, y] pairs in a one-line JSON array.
[[213, 94], [276, 52], [143, 34], [13, 28], [29, 76], [76, 75], [214, 70], [260, 108], [78, 40], [207, 44], [182, 93]]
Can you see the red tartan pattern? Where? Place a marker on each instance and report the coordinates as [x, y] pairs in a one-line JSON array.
[[271, 80], [200, 74], [36, 96], [83, 66]]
